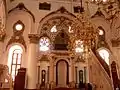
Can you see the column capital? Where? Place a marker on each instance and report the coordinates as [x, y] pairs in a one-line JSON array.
[[34, 38]]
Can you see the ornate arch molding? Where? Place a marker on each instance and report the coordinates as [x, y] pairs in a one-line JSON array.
[[62, 12], [62, 58], [22, 7]]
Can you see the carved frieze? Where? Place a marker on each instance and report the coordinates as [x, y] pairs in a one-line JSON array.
[[17, 39]]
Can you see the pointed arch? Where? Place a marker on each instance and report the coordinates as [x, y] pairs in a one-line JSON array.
[[15, 54], [62, 12], [22, 7]]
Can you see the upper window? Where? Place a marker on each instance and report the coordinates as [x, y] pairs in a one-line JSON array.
[[44, 6], [101, 31], [18, 26], [44, 44], [14, 60], [104, 54]]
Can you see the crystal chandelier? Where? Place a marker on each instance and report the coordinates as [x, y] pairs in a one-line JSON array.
[[84, 36]]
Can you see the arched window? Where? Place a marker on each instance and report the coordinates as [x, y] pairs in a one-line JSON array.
[[44, 44], [104, 54], [101, 33], [14, 60]]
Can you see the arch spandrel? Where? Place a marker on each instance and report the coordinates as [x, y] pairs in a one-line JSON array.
[[62, 12]]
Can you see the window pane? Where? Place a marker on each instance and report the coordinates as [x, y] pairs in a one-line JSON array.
[[13, 77], [44, 44], [17, 51], [14, 55], [13, 73], [18, 67], [16, 72], [105, 55], [19, 61], [19, 55], [14, 61], [13, 67]]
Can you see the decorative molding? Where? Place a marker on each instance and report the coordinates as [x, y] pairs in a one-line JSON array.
[[17, 36], [62, 25], [21, 6], [62, 10], [34, 38], [61, 53], [44, 58], [79, 59], [17, 39]]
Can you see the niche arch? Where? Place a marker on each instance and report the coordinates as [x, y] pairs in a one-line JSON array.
[[67, 71]]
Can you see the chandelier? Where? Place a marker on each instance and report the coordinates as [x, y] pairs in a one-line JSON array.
[[84, 36]]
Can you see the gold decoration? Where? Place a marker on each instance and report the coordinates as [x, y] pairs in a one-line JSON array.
[[84, 32]]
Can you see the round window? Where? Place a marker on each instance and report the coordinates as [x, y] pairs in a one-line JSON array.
[[18, 26]]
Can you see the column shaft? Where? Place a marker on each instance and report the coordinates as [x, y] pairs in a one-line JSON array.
[[32, 62]]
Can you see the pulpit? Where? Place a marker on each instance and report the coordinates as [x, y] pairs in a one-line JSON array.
[[19, 83]]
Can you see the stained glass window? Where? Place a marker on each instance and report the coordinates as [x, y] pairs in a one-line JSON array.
[[44, 44], [105, 55]]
